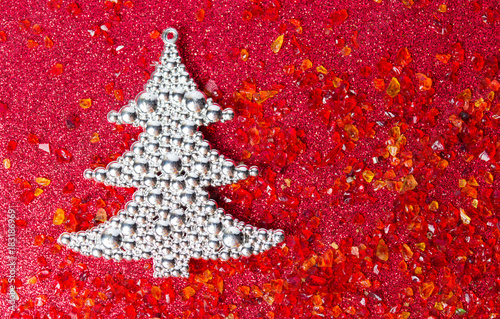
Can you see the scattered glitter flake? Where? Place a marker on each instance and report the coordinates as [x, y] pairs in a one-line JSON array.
[[33, 139], [63, 155], [393, 88], [118, 94], [154, 34], [6, 163], [42, 181], [48, 42], [200, 15], [74, 9], [94, 138], [338, 17], [32, 44], [59, 217], [276, 45], [85, 103], [68, 188], [296, 23], [57, 69], [403, 57], [44, 147]]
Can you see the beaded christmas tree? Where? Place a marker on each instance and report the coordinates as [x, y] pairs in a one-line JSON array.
[[171, 217]]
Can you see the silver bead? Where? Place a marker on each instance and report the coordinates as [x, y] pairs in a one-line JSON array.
[[214, 226], [140, 166], [177, 218], [100, 174], [162, 228], [154, 128], [147, 102], [202, 165], [253, 171], [128, 227], [176, 95], [278, 236], [88, 174], [155, 197], [113, 117], [114, 169], [132, 208], [232, 238], [188, 128], [137, 148], [111, 238], [214, 113], [195, 101], [128, 115], [227, 114], [171, 164], [168, 262]]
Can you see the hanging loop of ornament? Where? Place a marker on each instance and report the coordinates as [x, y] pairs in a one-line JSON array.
[[170, 35], [171, 217]]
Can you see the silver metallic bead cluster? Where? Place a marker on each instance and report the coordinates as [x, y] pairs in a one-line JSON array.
[[171, 217]]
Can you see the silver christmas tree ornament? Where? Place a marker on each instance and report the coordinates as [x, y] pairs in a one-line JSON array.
[[171, 217]]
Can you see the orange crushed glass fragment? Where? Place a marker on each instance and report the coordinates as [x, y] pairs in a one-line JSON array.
[[352, 132], [32, 44], [31, 280], [38, 192], [85, 103], [244, 54], [95, 138], [442, 8], [276, 45], [408, 3], [6, 163], [444, 58], [154, 34], [321, 69], [393, 88], [434, 205], [306, 64], [426, 289], [406, 252], [346, 51], [382, 251], [379, 84], [42, 181], [261, 96], [187, 292], [118, 94], [368, 176], [424, 82], [488, 178], [59, 217], [101, 215], [472, 181], [409, 183], [156, 292]]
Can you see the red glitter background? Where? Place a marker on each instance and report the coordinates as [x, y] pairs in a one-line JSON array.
[[388, 192]]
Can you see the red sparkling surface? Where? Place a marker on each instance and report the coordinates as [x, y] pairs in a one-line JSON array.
[[374, 124]]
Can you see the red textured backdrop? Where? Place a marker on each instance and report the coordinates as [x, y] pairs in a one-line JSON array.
[[374, 124]]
